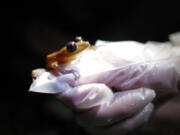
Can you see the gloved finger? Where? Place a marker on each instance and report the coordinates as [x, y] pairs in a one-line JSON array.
[[159, 76], [123, 105], [87, 96], [125, 126]]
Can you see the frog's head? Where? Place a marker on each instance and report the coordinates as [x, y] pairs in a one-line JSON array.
[[67, 53]]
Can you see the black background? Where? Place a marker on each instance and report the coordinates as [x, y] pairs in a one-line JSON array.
[[32, 29]]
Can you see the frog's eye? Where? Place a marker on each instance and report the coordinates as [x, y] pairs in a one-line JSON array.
[[71, 47]]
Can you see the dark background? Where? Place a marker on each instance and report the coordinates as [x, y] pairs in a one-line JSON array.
[[32, 29]]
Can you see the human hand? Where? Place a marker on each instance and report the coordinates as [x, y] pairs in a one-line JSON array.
[[131, 73], [160, 75], [120, 112]]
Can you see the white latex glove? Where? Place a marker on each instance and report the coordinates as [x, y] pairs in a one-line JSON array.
[[113, 91], [120, 114]]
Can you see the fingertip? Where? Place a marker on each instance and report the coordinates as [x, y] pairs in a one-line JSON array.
[[149, 106], [152, 92], [149, 93], [144, 94], [148, 109]]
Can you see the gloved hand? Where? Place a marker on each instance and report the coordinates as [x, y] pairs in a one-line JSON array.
[[121, 112], [135, 74]]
